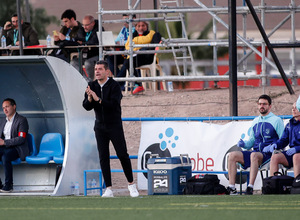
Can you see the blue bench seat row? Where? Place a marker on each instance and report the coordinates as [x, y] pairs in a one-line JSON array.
[[51, 148]]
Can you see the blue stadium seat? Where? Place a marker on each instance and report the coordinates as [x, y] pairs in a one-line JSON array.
[[58, 159], [51, 145], [32, 149]]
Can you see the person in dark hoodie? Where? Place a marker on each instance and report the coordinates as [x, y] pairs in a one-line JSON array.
[[104, 96], [88, 36], [11, 32], [67, 35]]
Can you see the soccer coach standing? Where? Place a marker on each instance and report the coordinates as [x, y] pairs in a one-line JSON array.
[[104, 96]]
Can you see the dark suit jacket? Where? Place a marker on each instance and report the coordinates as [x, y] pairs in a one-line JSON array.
[[20, 124]]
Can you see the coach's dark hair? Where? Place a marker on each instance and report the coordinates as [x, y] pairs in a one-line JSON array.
[[102, 62], [69, 13], [12, 101], [264, 96]]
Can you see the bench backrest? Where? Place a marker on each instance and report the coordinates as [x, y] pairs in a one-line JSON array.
[[51, 145], [31, 145]]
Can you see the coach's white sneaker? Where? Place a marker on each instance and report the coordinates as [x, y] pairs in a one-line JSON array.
[[133, 191], [108, 193]]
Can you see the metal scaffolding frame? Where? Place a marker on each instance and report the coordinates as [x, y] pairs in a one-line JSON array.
[[214, 11]]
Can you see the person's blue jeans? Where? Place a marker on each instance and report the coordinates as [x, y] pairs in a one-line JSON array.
[[8, 154]]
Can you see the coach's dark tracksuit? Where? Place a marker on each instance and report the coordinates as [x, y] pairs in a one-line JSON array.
[[108, 126]]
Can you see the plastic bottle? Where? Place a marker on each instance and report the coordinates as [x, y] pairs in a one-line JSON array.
[[3, 41], [170, 86], [72, 188], [89, 186], [94, 185], [48, 41], [67, 37], [76, 189], [122, 39]]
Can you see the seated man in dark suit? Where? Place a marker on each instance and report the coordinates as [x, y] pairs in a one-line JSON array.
[[13, 142]]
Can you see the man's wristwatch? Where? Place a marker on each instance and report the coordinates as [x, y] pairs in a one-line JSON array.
[[100, 100]]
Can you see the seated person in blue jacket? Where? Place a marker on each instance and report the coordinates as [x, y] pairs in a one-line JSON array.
[[291, 136], [13, 142], [124, 32], [266, 129]]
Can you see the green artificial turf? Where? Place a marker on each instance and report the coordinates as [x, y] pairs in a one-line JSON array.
[[151, 207]]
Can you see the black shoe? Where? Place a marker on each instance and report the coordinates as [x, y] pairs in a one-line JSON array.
[[7, 188], [249, 191], [231, 191]]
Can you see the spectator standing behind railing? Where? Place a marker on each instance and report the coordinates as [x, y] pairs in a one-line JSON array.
[[13, 142], [291, 136], [88, 36], [265, 129], [11, 32], [115, 60], [66, 35]]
